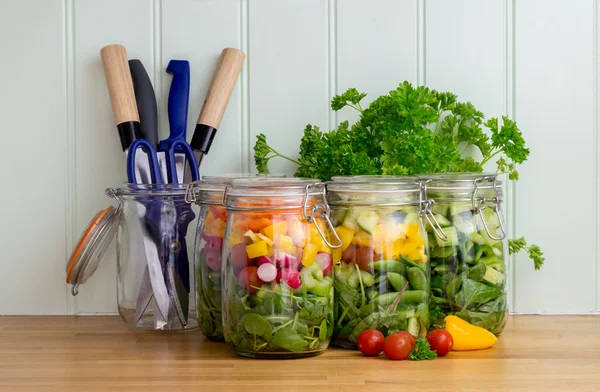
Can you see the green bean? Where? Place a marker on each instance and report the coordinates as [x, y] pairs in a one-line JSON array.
[[396, 280], [388, 266], [409, 297], [417, 278], [411, 263]]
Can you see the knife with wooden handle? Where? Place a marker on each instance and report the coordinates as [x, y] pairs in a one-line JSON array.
[[215, 103]]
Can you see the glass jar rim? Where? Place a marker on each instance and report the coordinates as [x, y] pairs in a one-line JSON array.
[[462, 181], [276, 186], [129, 189], [374, 184]]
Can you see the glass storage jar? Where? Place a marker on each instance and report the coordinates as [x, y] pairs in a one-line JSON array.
[[468, 268], [277, 283], [154, 275], [210, 231], [382, 268]]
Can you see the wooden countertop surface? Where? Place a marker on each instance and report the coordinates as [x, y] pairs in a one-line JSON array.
[[100, 354]]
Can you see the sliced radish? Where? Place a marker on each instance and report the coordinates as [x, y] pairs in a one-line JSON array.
[[267, 272], [291, 277], [213, 243], [284, 260], [324, 260]]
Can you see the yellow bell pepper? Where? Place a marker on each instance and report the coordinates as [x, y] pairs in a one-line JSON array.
[[336, 255], [266, 239], [362, 239], [392, 250], [279, 228], [216, 227], [283, 241], [257, 249], [468, 336], [345, 235], [309, 254], [407, 248], [252, 235]]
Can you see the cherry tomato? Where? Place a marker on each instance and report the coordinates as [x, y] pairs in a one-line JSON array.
[[397, 346], [364, 256], [248, 277], [408, 336], [370, 342], [441, 341]]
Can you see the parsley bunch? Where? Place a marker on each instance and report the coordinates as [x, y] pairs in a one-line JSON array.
[[411, 130]]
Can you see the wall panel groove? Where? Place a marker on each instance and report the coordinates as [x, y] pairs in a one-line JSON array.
[[596, 172], [421, 57], [71, 158], [332, 59], [244, 114]]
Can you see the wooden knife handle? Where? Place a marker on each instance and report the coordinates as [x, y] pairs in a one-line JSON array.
[[119, 83], [221, 87]]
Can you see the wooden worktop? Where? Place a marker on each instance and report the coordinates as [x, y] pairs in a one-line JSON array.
[[98, 353]]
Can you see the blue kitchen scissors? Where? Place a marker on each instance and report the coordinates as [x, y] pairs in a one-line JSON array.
[[167, 221]]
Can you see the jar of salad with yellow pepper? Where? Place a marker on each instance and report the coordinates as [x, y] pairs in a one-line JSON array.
[[277, 260], [382, 268]]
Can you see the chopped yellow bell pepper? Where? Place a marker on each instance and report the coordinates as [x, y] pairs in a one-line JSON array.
[[216, 227], [257, 249], [266, 239], [270, 251], [279, 228], [392, 250], [309, 254], [283, 241], [408, 247], [362, 239], [336, 255], [252, 235], [468, 336], [345, 235], [385, 232]]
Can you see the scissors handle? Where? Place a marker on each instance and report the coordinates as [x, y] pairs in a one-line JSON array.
[[153, 167], [170, 161]]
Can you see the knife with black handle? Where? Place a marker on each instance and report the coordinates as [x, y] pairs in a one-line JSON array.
[[146, 102]]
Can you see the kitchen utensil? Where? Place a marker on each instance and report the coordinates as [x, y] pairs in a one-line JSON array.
[[147, 109], [146, 102], [122, 98], [179, 96], [168, 224], [215, 103]]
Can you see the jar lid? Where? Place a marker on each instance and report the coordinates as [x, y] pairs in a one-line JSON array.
[[462, 181], [374, 191], [210, 189], [92, 247], [282, 193]]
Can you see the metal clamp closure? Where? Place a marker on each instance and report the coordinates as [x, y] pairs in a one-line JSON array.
[[320, 211], [426, 211], [190, 194], [483, 203]]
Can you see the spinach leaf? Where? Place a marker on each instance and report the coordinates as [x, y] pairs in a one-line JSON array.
[[288, 339], [473, 292]]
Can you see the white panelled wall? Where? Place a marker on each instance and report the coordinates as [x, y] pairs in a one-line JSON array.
[[534, 60]]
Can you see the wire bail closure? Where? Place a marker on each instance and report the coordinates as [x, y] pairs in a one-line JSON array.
[[484, 203], [190, 194], [425, 209], [322, 211]]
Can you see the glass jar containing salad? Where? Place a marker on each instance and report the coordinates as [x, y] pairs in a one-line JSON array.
[[382, 268], [277, 283], [210, 231], [468, 269]]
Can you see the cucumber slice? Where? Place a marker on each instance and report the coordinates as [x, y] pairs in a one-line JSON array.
[[493, 276], [466, 226], [488, 240], [441, 209], [413, 326], [451, 234], [477, 238], [339, 215], [442, 253], [367, 220], [493, 262], [350, 219], [411, 218], [442, 220], [458, 208]]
